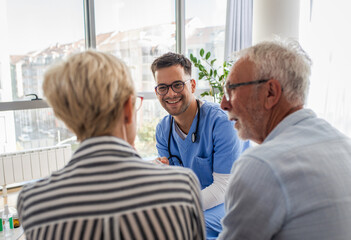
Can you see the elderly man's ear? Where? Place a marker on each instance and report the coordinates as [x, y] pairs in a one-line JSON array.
[[273, 93]]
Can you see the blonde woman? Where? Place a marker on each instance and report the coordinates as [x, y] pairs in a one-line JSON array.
[[106, 191]]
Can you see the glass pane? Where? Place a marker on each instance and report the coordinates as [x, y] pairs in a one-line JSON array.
[[138, 32], [149, 115], [205, 28], [36, 128], [34, 34], [136, 38]]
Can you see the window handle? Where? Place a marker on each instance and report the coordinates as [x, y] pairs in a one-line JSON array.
[[35, 96]]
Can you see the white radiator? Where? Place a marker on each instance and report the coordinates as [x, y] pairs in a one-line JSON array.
[[32, 164]]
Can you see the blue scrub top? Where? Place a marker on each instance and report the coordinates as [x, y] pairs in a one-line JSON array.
[[216, 148]]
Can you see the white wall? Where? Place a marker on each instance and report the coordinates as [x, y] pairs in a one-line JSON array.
[[275, 17]]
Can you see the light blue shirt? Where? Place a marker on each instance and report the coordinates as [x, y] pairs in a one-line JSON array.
[[295, 185]]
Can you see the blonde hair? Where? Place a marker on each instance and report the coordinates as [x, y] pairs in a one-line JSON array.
[[88, 91]]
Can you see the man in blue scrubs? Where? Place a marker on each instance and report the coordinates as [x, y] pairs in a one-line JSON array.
[[196, 134]]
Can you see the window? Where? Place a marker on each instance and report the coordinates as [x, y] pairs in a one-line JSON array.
[[37, 33], [205, 28]]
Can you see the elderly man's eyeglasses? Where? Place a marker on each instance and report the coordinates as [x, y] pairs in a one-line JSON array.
[[138, 102], [177, 87], [229, 87]]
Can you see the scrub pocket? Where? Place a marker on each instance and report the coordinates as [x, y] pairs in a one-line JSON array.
[[203, 169]]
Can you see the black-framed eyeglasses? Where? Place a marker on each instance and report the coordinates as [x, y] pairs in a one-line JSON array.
[[229, 87], [177, 87], [138, 102]]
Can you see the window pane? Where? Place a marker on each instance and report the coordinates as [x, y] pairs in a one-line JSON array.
[[137, 32], [137, 35], [36, 128], [34, 34], [37, 33], [149, 115], [205, 28]]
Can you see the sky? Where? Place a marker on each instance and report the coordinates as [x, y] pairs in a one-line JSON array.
[[36, 24]]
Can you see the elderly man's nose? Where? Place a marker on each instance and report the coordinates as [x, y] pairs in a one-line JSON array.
[[225, 104]]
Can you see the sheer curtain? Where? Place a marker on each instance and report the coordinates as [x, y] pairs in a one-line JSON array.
[[238, 32], [327, 39]]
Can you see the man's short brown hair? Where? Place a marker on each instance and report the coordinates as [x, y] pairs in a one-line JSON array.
[[171, 59]]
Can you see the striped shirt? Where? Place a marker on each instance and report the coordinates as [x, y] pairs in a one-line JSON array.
[[107, 191]]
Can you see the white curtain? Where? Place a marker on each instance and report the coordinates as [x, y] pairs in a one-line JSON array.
[[238, 33]]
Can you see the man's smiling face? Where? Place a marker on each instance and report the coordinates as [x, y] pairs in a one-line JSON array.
[[175, 103]]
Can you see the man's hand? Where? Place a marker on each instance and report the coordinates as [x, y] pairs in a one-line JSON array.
[[161, 160]]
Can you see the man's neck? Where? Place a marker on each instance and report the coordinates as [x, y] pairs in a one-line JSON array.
[[279, 113], [185, 119]]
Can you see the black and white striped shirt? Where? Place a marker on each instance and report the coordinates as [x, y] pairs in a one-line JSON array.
[[107, 192]]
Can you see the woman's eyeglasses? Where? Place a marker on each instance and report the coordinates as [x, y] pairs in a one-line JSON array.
[[138, 102]]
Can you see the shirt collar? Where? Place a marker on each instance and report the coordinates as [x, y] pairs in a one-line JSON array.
[[109, 142], [290, 120]]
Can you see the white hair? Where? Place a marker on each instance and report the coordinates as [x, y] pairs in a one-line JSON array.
[[285, 61]]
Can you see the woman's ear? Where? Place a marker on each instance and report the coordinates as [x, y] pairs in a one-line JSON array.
[[273, 93], [128, 110]]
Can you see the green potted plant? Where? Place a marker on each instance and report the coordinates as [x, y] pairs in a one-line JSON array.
[[215, 76]]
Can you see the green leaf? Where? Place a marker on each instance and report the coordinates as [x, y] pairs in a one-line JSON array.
[[210, 73], [205, 94], [202, 51]]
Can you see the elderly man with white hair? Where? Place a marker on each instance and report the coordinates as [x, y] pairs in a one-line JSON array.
[[295, 184]]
